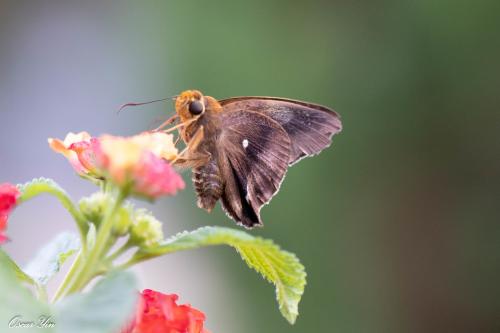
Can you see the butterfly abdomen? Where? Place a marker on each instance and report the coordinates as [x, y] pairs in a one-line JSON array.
[[208, 185]]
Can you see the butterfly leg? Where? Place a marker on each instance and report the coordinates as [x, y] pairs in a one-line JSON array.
[[166, 123], [181, 125], [192, 161], [189, 156]]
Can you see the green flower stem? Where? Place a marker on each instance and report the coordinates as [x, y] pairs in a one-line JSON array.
[[42, 293], [131, 262], [40, 186], [140, 257], [150, 253], [124, 248], [92, 263], [69, 277]]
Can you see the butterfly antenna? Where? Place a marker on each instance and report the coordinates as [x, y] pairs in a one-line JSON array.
[[144, 103]]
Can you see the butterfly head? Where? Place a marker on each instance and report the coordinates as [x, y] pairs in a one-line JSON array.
[[191, 104]]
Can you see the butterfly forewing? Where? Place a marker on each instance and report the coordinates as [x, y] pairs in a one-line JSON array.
[[254, 151], [309, 126]]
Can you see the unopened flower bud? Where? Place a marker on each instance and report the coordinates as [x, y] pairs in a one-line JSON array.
[[146, 230], [93, 207], [123, 220]]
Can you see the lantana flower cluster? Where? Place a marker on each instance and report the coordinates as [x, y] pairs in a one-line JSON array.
[[139, 163]]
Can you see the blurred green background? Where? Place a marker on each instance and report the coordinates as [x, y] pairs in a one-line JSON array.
[[397, 223]]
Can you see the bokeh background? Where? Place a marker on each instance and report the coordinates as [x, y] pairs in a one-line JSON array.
[[398, 223]]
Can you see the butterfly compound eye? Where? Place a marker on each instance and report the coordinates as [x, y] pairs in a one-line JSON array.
[[196, 107]]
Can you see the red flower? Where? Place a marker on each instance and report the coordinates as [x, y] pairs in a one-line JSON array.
[[159, 313], [8, 200]]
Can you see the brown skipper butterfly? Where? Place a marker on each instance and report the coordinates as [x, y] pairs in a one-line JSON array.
[[240, 148]]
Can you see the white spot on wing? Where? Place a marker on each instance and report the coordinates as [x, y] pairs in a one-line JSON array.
[[244, 143]]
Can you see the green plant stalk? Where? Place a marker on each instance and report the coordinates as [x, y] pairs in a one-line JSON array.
[[92, 262], [41, 293], [68, 279], [139, 257], [124, 248]]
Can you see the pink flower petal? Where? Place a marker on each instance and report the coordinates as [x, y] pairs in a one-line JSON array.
[[154, 177]]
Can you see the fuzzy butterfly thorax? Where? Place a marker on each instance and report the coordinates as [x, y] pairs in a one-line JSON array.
[[240, 148]]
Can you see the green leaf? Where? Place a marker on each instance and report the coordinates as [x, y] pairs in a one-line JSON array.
[[38, 186], [106, 308], [51, 257], [277, 266], [6, 260], [17, 304]]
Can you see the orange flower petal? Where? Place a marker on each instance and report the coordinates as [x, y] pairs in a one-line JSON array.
[[63, 147]]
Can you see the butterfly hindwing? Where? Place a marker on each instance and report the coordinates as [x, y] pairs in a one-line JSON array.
[[254, 151], [309, 126]]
